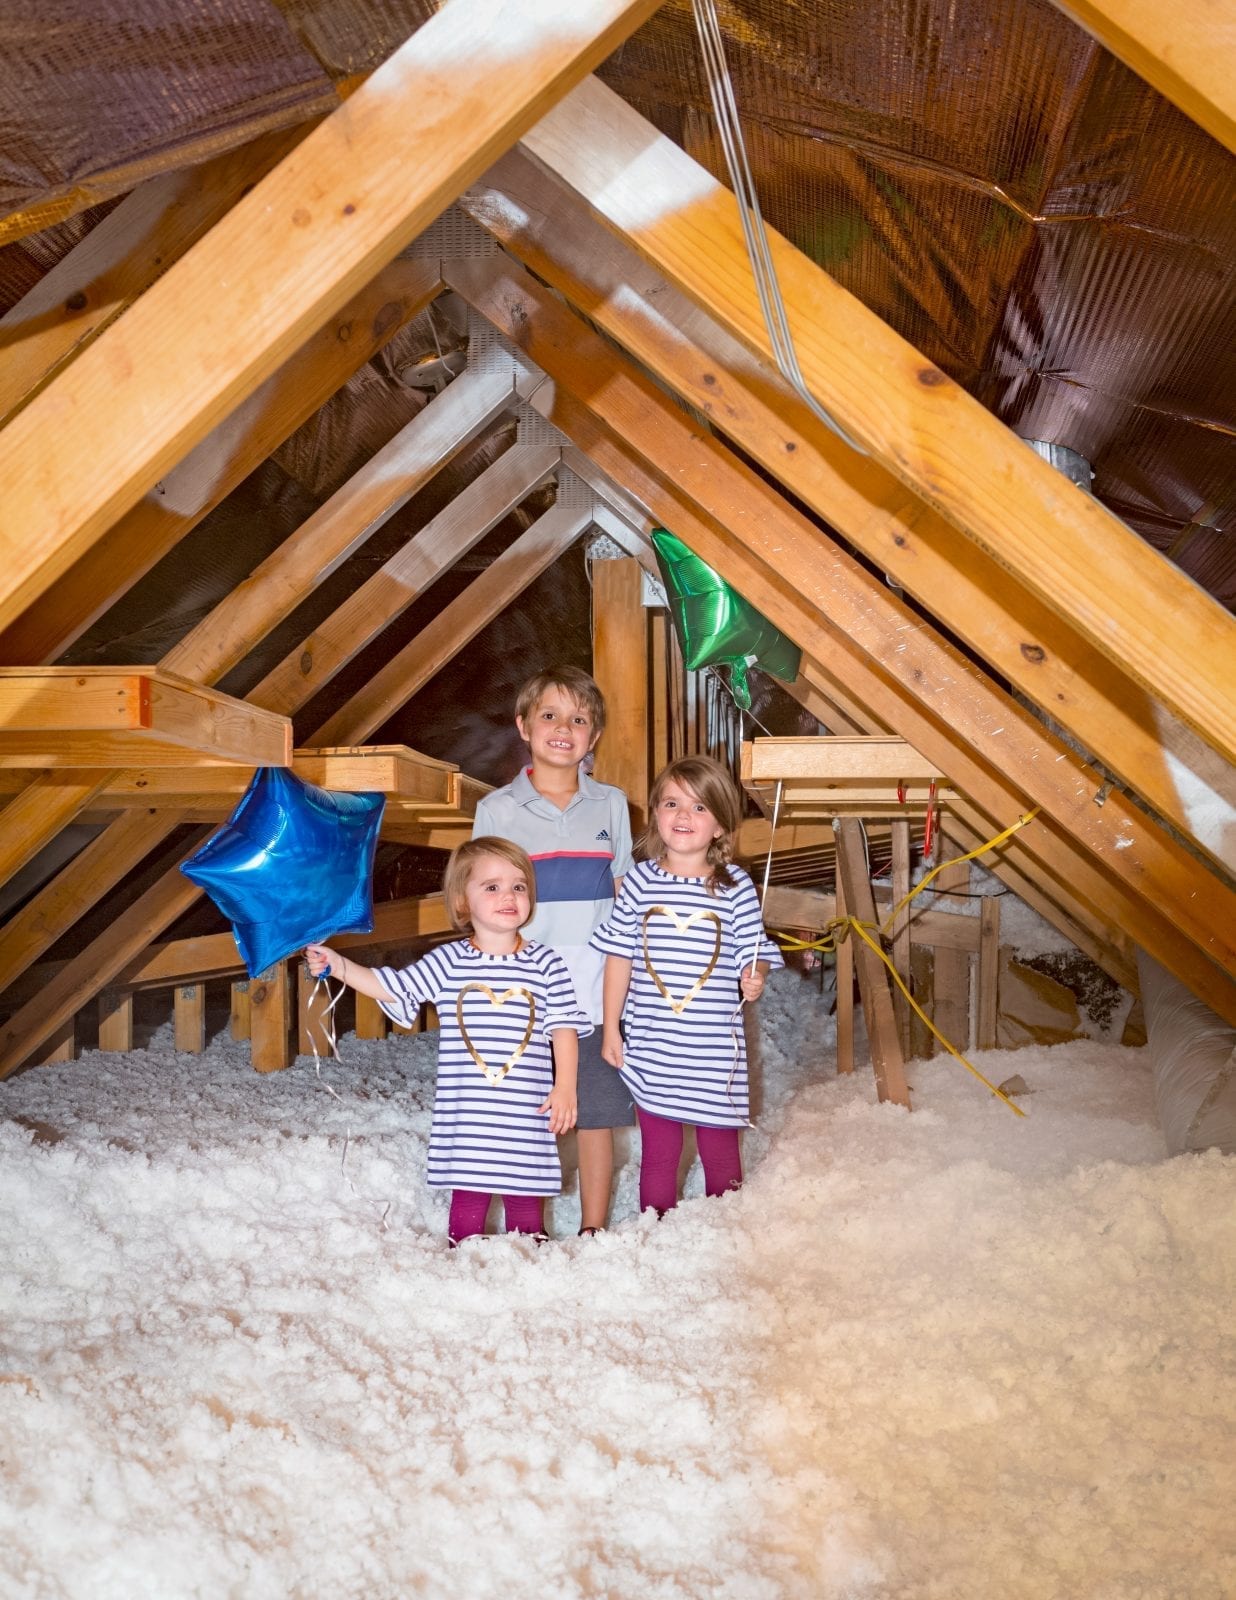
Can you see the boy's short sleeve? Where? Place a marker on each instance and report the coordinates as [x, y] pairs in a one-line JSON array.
[[562, 1009], [482, 821], [620, 828], [618, 936]]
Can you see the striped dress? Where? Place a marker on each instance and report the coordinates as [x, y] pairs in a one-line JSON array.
[[685, 1056], [495, 1067]]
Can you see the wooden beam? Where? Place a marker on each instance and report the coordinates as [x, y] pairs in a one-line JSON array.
[[873, 985], [228, 454], [401, 580], [455, 625], [116, 1020], [549, 227], [1184, 52], [860, 758], [620, 667], [135, 243], [390, 769], [788, 906], [240, 1011], [1080, 561], [951, 998], [292, 251], [435, 437], [270, 1019], [892, 661], [845, 991], [755, 835], [94, 968], [103, 716], [189, 1017], [899, 937], [988, 972], [269, 595]]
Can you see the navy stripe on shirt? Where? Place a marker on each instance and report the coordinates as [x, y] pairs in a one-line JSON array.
[[574, 875]]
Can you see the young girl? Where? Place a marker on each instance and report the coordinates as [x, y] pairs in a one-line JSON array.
[[501, 1000], [680, 948]]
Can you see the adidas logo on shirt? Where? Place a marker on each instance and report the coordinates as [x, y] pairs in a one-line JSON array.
[[604, 834]]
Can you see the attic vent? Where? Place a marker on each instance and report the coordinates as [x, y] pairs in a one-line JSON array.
[[1074, 467]]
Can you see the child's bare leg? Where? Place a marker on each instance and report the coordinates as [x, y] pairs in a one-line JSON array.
[[596, 1174]]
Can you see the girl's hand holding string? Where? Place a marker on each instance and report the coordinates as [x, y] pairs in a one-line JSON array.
[[752, 984], [323, 960], [562, 1107]]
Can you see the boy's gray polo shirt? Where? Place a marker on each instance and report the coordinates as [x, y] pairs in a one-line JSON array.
[[577, 851]]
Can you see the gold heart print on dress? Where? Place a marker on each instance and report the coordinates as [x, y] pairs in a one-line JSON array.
[[495, 1075], [681, 925]]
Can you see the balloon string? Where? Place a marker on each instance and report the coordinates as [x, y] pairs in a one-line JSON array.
[[326, 1020]]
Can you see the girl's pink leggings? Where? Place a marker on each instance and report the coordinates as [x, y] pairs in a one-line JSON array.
[[525, 1213], [658, 1170]]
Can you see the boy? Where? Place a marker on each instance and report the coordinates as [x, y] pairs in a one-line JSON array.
[[578, 834]]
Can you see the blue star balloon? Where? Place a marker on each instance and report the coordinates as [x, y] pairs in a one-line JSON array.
[[292, 865]]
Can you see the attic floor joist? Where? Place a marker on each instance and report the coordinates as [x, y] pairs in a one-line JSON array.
[[291, 252], [1066, 548], [550, 228], [889, 658], [105, 716]]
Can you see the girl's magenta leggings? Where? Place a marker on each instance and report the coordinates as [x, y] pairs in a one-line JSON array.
[[525, 1213], [662, 1151]]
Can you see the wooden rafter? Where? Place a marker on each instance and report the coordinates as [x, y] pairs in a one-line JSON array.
[[1017, 865], [549, 228], [455, 625], [1185, 52], [389, 592], [228, 454], [1068, 550], [291, 252], [151, 228], [814, 591], [243, 618], [103, 716], [130, 838]]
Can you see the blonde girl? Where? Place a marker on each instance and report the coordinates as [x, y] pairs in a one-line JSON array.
[[503, 1001]]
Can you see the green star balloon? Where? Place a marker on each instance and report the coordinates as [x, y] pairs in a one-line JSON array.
[[716, 626]]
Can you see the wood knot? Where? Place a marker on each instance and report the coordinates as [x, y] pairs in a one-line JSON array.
[[1034, 654]]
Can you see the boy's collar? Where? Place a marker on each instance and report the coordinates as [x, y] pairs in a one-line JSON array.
[[527, 791]]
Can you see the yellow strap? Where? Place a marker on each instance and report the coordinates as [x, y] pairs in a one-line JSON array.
[[861, 929], [840, 926], [982, 849]]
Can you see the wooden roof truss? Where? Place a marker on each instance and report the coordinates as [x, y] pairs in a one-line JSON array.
[[615, 270]]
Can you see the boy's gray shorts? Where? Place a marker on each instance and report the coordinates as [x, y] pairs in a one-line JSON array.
[[604, 1100]]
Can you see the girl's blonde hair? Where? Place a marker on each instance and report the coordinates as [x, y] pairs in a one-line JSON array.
[[711, 784], [459, 869]]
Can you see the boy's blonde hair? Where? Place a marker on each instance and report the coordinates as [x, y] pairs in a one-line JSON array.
[[711, 784], [577, 684], [460, 867]]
